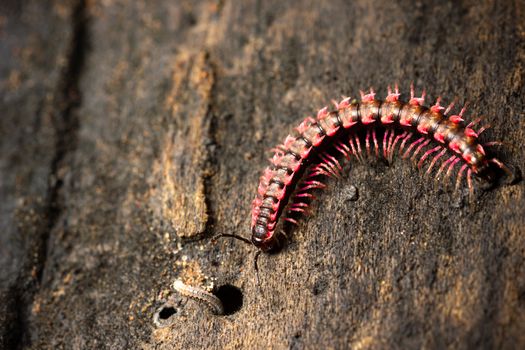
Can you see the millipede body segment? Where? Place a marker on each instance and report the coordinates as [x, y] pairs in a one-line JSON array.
[[299, 164]]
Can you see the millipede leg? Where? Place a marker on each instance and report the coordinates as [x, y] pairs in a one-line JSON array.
[[343, 149], [393, 147], [296, 209], [460, 175], [293, 221], [358, 146], [389, 145], [415, 143], [354, 151], [424, 144], [367, 142], [300, 204], [404, 142], [514, 177], [304, 195], [493, 143], [318, 170], [449, 108], [435, 159], [311, 184], [300, 207], [328, 169], [473, 123], [470, 187], [426, 154], [463, 110], [502, 166], [376, 146], [443, 165], [449, 170], [332, 165], [385, 136], [336, 163], [483, 128]]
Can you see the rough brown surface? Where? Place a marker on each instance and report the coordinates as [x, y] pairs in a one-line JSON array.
[[133, 131]]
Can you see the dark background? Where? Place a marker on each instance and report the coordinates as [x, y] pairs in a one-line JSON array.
[[133, 131]]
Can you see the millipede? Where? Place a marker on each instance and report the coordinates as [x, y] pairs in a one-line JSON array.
[[202, 296], [372, 127]]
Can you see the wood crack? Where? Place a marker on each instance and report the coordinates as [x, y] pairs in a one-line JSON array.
[[65, 122]]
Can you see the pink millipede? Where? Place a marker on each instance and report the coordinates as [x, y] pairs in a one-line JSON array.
[[201, 295], [424, 134]]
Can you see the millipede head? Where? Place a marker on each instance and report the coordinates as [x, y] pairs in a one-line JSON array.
[[264, 240], [493, 169], [513, 176], [485, 172]]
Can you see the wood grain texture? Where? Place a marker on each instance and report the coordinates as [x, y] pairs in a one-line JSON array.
[[134, 131]]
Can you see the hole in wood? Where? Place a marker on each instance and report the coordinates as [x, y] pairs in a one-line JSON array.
[[163, 317], [167, 312], [231, 298]]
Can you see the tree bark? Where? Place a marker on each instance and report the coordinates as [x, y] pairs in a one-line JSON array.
[[134, 131]]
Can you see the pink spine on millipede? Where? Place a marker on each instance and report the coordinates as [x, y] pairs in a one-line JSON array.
[[423, 134]]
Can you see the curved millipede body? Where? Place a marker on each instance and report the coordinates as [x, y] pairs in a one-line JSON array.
[[372, 126], [201, 295]]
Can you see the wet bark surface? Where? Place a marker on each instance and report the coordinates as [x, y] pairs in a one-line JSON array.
[[133, 131]]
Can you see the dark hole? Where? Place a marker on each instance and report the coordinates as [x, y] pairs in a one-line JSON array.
[[231, 298], [167, 312]]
